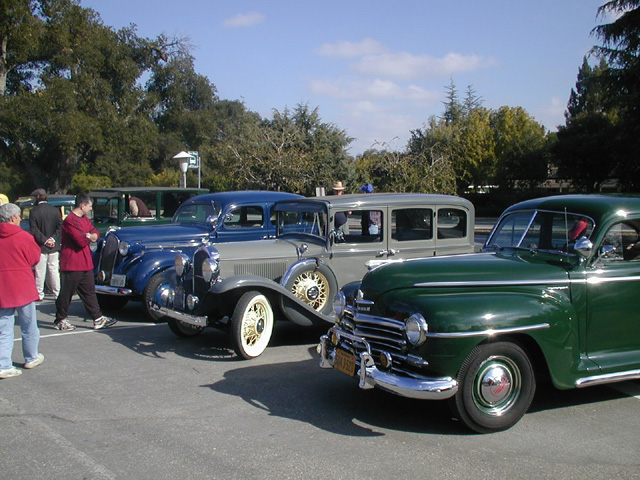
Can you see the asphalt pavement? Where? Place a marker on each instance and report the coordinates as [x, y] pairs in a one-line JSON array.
[[136, 402]]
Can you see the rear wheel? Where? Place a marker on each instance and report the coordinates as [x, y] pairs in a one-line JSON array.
[[496, 385], [182, 329], [251, 325], [111, 303]]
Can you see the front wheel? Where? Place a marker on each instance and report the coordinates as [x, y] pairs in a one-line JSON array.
[[149, 295], [251, 325], [496, 387]]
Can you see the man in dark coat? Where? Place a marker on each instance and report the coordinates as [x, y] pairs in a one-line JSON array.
[[45, 222]]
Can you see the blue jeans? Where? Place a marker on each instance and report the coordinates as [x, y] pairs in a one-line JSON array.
[[30, 333]]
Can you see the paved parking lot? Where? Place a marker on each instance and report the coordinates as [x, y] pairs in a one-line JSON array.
[[134, 401]]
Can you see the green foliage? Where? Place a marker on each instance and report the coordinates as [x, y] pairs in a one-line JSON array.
[[83, 183]]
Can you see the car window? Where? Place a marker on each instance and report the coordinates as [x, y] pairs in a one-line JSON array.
[[104, 208], [541, 230], [452, 223], [360, 226], [244, 217], [194, 213], [143, 204], [412, 224], [624, 239], [297, 222], [171, 201]]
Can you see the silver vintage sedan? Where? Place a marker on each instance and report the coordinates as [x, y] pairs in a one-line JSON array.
[[321, 244]]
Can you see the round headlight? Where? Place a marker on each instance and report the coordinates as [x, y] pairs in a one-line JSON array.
[[181, 263], [209, 269], [339, 302], [415, 329], [123, 248]]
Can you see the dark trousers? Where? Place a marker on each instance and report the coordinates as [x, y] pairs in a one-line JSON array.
[[81, 282]]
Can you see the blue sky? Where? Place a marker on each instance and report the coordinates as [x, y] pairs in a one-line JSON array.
[[377, 68]]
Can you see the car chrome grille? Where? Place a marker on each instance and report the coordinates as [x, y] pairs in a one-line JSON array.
[[109, 257], [200, 287], [382, 335]]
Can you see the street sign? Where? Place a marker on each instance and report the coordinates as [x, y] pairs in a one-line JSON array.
[[194, 161]]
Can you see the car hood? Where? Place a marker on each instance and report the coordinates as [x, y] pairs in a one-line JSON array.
[[472, 270], [173, 235], [253, 251]]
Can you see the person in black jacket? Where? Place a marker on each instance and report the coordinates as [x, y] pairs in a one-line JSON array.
[[45, 222]]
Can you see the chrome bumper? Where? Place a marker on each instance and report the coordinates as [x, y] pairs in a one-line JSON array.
[[196, 320], [423, 388], [107, 290]]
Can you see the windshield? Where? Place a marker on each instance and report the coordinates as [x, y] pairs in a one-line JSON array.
[[196, 212], [295, 221], [540, 230]]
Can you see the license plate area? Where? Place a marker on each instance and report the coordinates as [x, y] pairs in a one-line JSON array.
[[345, 362], [118, 280]]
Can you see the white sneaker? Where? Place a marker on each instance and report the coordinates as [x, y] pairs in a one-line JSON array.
[[103, 322], [34, 363], [10, 372]]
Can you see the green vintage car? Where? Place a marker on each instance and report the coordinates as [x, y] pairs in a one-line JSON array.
[[555, 294]]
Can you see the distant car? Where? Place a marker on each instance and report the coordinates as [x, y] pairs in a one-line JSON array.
[[63, 202], [555, 294], [321, 244], [131, 263], [112, 206]]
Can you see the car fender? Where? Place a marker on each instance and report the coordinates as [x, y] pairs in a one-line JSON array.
[[297, 311], [140, 271], [460, 319]]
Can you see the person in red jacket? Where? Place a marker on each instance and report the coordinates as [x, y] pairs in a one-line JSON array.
[[76, 266], [18, 293]]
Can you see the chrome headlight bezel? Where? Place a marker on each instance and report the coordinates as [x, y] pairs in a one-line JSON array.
[[210, 269], [182, 264], [339, 304], [123, 248], [415, 329]]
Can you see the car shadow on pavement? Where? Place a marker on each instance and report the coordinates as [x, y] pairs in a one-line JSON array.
[[331, 401]]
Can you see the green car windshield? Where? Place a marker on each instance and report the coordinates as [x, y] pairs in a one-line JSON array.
[[540, 230]]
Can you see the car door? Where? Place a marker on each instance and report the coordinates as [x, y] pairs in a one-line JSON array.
[[364, 237], [613, 301], [411, 232]]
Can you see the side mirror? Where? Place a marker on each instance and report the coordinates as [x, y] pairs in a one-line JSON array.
[[213, 220], [337, 235], [583, 247]]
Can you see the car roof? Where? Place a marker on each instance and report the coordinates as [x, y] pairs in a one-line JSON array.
[[363, 199], [111, 192], [599, 207], [243, 196], [55, 199]]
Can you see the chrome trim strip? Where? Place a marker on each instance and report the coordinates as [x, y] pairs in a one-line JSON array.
[[425, 388], [608, 378], [198, 321], [489, 332], [107, 290], [497, 283]]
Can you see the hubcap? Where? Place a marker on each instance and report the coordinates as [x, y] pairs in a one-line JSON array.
[[497, 385]]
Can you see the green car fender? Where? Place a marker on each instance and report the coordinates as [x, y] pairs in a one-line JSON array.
[[542, 319]]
